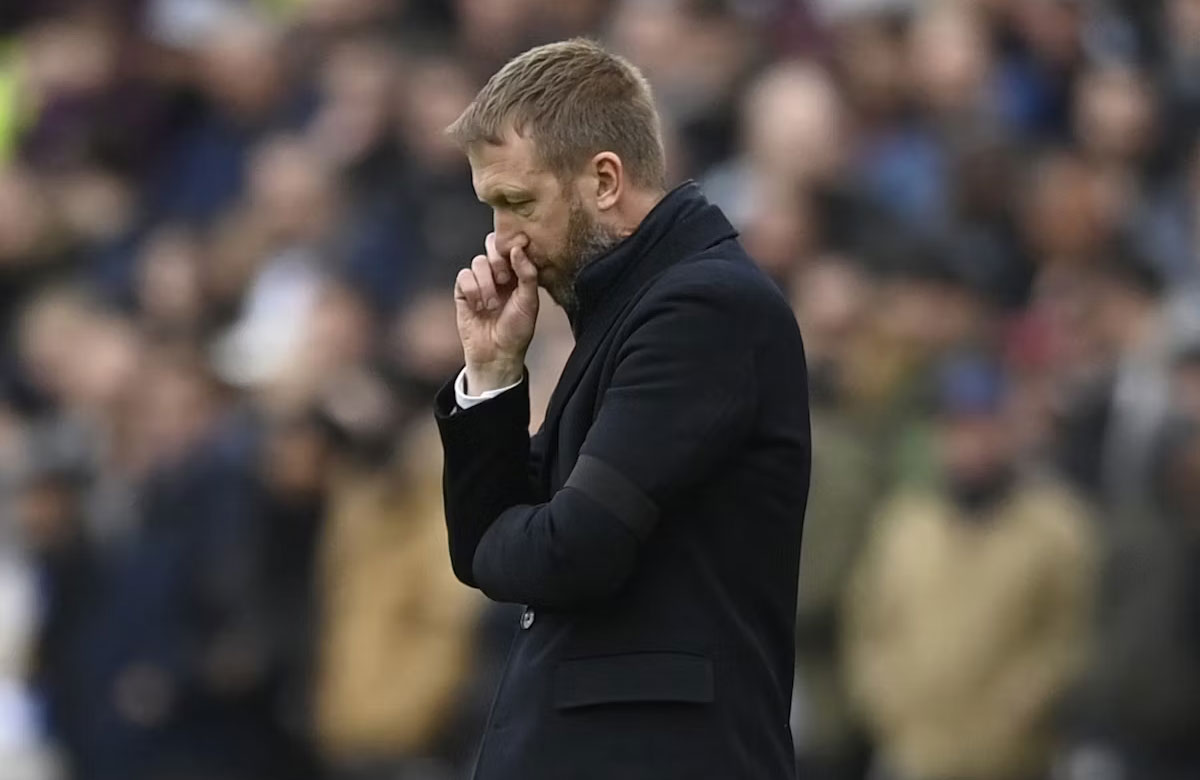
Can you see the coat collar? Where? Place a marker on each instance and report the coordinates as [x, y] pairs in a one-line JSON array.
[[632, 257], [682, 224]]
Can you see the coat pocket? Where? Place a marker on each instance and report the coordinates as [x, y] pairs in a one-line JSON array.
[[633, 677]]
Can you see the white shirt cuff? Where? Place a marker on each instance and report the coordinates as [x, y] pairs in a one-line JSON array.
[[465, 401]]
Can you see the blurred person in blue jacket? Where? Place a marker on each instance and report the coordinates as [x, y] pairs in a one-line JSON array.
[[168, 674]]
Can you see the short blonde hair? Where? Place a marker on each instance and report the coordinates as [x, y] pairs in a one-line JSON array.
[[575, 100]]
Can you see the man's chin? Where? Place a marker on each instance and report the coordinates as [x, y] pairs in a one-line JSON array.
[[559, 288], [549, 277]]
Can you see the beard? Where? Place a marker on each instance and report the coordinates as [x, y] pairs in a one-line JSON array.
[[586, 241]]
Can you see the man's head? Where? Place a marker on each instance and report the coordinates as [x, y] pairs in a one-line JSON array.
[[566, 147], [974, 435], [791, 106]]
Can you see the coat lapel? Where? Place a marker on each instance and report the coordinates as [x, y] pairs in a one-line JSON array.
[[697, 232]]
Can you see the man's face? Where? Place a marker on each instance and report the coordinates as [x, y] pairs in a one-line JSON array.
[[535, 209], [974, 447], [46, 511]]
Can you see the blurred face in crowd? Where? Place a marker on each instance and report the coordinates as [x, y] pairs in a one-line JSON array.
[[363, 411], [94, 205], [435, 92], [796, 107], [976, 454], [649, 34], [172, 409], [830, 299], [712, 52], [68, 57], [50, 328], [693, 55], [870, 57], [779, 233], [985, 181], [546, 214], [24, 215], [339, 327], [1114, 113], [424, 340], [168, 283], [297, 456], [493, 28], [1052, 29], [105, 363], [78, 355], [358, 92], [949, 58], [47, 513], [292, 190], [931, 315], [1183, 25], [240, 68], [1064, 216]]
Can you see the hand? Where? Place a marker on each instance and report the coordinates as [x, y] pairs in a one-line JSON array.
[[496, 300]]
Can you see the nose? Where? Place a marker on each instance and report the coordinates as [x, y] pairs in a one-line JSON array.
[[508, 234]]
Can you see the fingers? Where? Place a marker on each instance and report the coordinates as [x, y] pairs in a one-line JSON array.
[[482, 268], [479, 286], [466, 289], [474, 286], [527, 272], [501, 269]]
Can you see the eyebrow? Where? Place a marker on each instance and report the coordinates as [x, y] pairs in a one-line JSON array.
[[505, 195]]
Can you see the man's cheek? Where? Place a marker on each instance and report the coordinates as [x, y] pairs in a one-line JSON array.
[[538, 258]]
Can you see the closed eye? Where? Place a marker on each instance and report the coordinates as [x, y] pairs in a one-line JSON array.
[[518, 203]]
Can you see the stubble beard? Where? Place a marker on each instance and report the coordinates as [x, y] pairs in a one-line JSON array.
[[586, 242]]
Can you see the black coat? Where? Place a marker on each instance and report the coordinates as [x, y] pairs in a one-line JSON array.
[[653, 524]]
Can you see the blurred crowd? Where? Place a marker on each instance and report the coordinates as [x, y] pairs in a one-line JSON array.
[[228, 233]]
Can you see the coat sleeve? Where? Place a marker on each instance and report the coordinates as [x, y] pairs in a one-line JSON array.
[[681, 397], [490, 464]]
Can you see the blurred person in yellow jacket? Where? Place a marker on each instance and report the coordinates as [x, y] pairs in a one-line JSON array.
[[397, 629], [968, 613]]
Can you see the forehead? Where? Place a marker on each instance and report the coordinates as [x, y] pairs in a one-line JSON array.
[[511, 164]]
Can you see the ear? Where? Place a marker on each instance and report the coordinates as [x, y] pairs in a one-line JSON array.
[[610, 179]]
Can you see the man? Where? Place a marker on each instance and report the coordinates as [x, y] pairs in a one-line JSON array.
[[652, 526], [967, 613]]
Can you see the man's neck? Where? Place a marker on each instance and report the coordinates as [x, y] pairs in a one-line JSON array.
[[635, 209]]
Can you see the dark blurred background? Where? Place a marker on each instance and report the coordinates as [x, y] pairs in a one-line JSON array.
[[228, 233]]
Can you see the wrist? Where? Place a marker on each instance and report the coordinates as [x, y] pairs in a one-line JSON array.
[[482, 378]]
